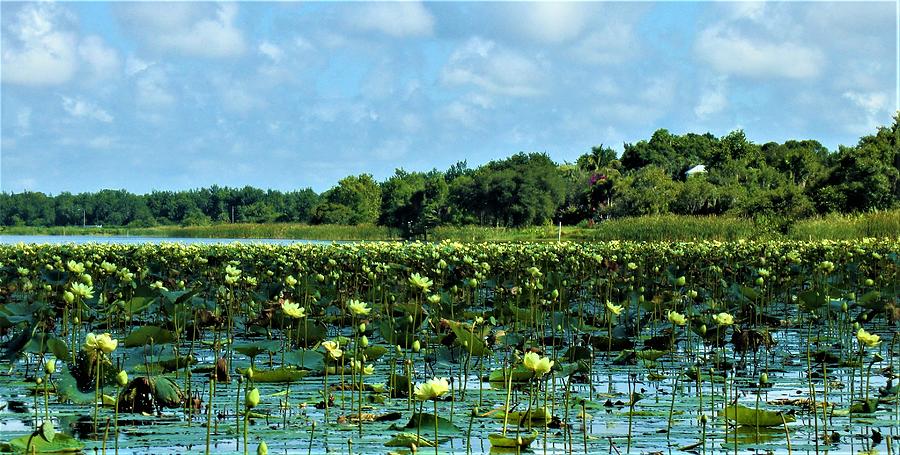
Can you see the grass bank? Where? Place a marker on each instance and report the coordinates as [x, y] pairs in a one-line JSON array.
[[648, 228]]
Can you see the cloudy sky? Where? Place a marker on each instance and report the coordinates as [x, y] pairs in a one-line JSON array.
[[147, 96]]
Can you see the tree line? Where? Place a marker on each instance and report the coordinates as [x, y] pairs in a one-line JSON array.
[[771, 182]]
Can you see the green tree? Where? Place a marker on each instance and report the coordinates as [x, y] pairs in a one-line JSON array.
[[355, 200]]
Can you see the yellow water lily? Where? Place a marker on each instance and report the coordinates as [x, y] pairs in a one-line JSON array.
[[358, 308], [432, 389], [293, 310], [332, 349], [869, 339], [724, 319], [82, 290], [421, 282], [613, 308], [103, 343], [540, 365], [677, 318]]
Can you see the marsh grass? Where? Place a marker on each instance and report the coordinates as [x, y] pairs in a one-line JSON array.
[[646, 228]]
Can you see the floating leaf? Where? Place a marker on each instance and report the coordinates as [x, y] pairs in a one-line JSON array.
[[144, 335], [468, 338], [743, 415], [512, 442], [405, 439], [519, 374], [61, 443], [426, 423], [306, 358], [276, 375]]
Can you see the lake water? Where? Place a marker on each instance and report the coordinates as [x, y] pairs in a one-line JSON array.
[[82, 239]]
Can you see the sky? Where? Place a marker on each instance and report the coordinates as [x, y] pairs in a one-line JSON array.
[[174, 96]]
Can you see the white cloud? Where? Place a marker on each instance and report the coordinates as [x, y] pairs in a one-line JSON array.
[[271, 51], [712, 101], [608, 43], [23, 122], [235, 96], [190, 28], [37, 50], [102, 142], [552, 22], [102, 60], [134, 65], [484, 64], [80, 108], [875, 105], [397, 19], [152, 89], [729, 52], [392, 149]]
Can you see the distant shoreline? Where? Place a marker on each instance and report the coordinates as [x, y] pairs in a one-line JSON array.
[[648, 228]]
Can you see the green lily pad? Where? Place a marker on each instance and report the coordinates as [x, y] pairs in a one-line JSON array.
[[61, 443], [743, 415], [143, 335], [405, 439], [511, 442]]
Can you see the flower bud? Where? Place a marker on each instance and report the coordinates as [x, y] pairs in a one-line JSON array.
[[262, 448], [680, 281], [416, 346], [122, 378], [249, 373], [362, 327], [50, 366], [764, 378], [68, 297], [870, 282], [364, 341], [252, 398]]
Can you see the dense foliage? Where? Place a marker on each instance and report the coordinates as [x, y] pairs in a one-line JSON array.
[[771, 182], [573, 347]]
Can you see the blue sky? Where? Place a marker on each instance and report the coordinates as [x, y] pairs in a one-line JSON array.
[[146, 96]]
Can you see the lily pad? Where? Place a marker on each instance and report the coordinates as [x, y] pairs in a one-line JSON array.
[[144, 335], [512, 442], [742, 415], [61, 443]]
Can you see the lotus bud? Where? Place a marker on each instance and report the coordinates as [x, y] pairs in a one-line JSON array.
[[68, 297], [409, 319], [122, 378], [851, 296], [855, 326], [764, 378], [252, 398], [555, 294], [870, 282], [844, 307], [76, 320], [364, 341], [703, 330], [362, 327], [320, 278], [760, 281], [40, 381], [692, 294], [398, 349], [416, 346], [249, 373], [262, 448], [50, 366], [680, 281], [703, 419]]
